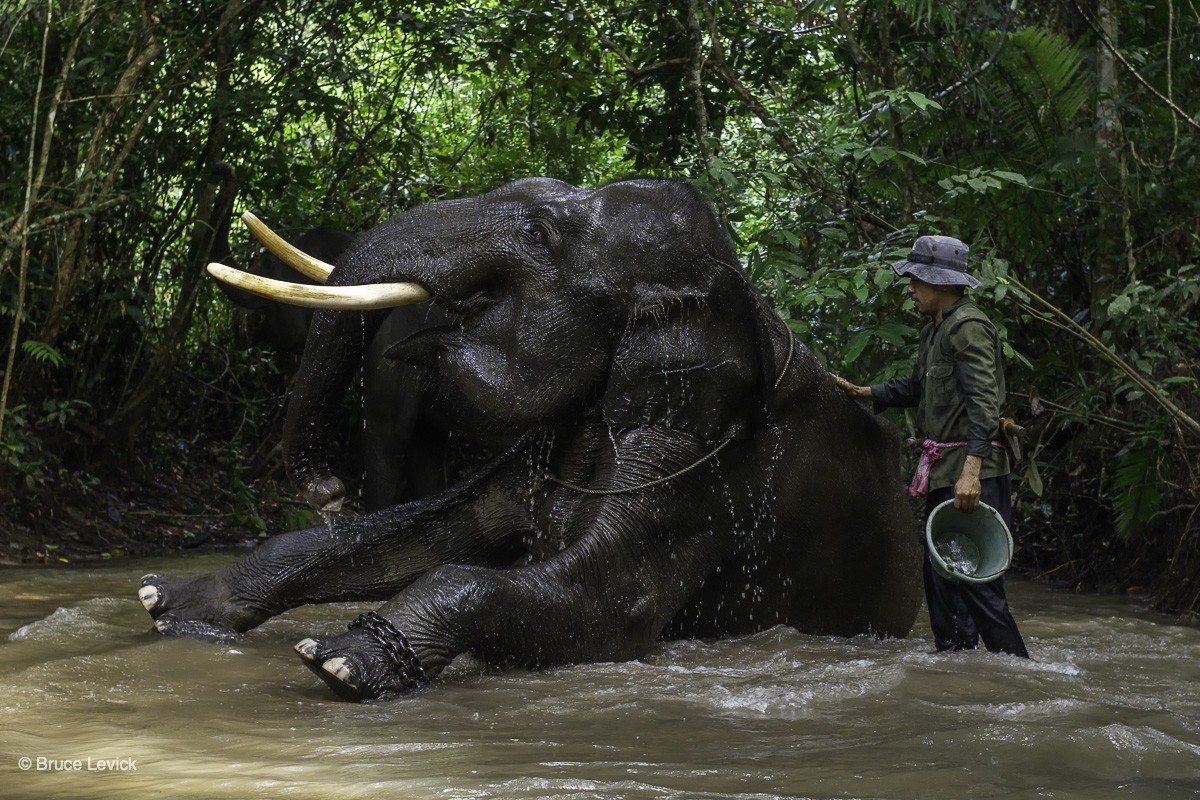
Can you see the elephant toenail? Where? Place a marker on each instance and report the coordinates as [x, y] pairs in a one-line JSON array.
[[160, 625], [307, 649], [149, 596], [338, 668]]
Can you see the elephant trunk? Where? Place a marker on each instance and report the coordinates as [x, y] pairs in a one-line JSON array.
[[332, 356]]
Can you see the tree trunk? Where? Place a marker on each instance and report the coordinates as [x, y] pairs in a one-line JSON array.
[[213, 210], [18, 236], [99, 156], [1114, 263]]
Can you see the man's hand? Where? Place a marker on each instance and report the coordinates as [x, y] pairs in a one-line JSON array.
[[968, 488], [851, 390]]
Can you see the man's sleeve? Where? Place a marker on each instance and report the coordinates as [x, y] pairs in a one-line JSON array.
[[896, 393], [977, 367]]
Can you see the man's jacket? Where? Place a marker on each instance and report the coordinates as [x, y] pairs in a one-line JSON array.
[[958, 389]]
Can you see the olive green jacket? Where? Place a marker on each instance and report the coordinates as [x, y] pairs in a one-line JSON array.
[[958, 390]]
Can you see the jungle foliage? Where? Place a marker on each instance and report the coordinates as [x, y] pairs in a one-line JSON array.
[[1058, 139]]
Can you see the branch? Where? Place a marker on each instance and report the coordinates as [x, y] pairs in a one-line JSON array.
[[731, 80], [22, 234], [1132, 71], [63, 216], [1083, 333], [696, 82], [633, 70]]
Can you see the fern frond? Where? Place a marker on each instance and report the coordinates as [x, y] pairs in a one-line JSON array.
[[43, 353], [928, 13], [1137, 488], [1042, 87]]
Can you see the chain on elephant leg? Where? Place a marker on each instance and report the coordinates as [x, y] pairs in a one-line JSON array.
[[373, 660]]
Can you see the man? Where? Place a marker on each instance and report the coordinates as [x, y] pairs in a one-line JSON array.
[[957, 388]]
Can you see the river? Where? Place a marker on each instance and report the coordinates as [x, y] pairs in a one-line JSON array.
[[96, 706]]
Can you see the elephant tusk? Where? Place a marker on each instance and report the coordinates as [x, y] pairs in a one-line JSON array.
[[345, 298], [294, 257]]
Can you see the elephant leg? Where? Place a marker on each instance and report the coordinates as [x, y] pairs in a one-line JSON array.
[[368, 558], [633, 561]]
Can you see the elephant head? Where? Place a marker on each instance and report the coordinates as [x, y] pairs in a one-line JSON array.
[[623, 300]]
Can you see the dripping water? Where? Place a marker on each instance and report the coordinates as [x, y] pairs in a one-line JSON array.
[[362, 401]]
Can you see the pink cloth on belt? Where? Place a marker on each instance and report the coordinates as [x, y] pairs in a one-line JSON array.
[[931, 451]]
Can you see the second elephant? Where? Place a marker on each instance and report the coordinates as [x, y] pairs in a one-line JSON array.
[[395, 458]]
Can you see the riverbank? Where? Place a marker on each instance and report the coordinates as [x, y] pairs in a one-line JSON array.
[[84, 518]]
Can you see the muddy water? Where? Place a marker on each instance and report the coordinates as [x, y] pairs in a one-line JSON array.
[[102, 708]]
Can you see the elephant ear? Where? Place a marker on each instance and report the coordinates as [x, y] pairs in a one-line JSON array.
[[692, 360]]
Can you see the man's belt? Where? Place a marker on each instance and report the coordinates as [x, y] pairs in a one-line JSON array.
[[931, 452]]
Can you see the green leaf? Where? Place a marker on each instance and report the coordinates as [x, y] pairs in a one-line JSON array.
[[922, 102], [42, 352], [1120, 305], [855, 347], [1012, 177], [881, 154], [1033, 479], [911, 157], [1137, 488], [896, 334]]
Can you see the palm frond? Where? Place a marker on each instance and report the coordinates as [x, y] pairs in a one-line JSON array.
[[1040, 87], [928, 12], [1137, 487]]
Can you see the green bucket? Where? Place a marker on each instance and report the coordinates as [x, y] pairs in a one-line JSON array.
[[975, 547]]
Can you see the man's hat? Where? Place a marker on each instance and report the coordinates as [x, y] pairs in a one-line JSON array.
[[940, 260]]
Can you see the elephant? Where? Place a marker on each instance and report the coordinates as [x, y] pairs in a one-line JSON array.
[[280, 326], [664, 458], [390, 391]]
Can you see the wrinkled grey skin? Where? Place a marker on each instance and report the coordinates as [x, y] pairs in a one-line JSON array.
[[391, 393], [607, 338]]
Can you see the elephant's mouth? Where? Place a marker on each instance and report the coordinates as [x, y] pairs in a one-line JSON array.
[[462, 315], [363, 297], [467, 309]]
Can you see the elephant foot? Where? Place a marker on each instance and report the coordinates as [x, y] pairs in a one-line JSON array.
[[199, 608], [371, 661]]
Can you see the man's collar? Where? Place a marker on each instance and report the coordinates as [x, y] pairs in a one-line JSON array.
[[950, 309], [957, 304]]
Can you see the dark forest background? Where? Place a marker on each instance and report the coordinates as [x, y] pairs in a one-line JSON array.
[[1059, 139]]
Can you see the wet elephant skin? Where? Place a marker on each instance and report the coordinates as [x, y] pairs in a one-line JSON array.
[[670, 459]]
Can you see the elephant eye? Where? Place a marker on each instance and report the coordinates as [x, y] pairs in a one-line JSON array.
[[538, 232]]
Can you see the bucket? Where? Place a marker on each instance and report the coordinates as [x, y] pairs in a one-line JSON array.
[[975, 547]]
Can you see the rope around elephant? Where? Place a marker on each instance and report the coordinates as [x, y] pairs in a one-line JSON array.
[[549, 477]]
